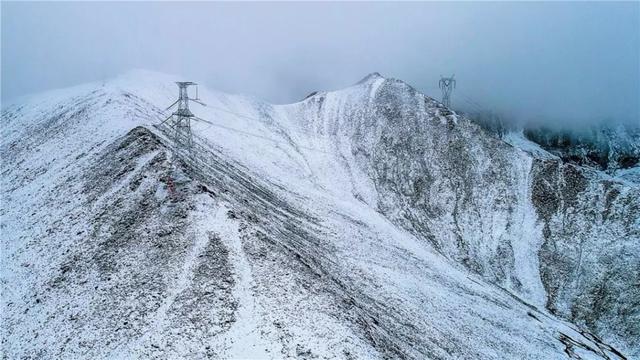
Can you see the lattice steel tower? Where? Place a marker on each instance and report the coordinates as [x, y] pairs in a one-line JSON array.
[[179, 121], [447, 84]]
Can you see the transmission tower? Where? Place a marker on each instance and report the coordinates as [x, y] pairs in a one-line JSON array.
[[447, 84], [179, 122]]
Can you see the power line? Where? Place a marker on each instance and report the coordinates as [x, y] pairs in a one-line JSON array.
[[212, 124], [262, 136], [474, 103]]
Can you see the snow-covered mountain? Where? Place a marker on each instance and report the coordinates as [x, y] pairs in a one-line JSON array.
[[369, 222], [605, 147]]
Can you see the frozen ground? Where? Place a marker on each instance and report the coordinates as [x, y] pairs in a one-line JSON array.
[[369, 222]]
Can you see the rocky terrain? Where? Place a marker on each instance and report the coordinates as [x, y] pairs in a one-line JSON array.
[[368, 222], [605, 147]]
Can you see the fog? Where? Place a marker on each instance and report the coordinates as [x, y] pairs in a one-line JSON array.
[[561, 62]]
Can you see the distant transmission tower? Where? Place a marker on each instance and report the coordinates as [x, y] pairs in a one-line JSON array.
[[447, 84], [179, 122]]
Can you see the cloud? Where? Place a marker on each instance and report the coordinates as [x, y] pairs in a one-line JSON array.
[[572, 62]]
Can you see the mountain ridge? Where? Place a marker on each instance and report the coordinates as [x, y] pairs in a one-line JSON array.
[[374, 158]]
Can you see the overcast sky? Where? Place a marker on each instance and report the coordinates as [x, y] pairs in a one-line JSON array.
[[562, 61]]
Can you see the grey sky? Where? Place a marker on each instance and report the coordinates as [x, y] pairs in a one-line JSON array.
[[564, 61]]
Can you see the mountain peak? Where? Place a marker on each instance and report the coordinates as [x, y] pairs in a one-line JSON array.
[[371, 77]]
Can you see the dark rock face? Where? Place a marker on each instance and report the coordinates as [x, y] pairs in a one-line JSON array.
[[588, 261], [601, 147]]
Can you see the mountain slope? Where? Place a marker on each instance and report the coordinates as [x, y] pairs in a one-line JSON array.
[[363, 223]]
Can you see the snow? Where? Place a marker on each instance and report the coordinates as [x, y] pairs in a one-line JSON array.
[[244, 338], [518, 140], [526, 244], [630, 174], [372, 284]]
